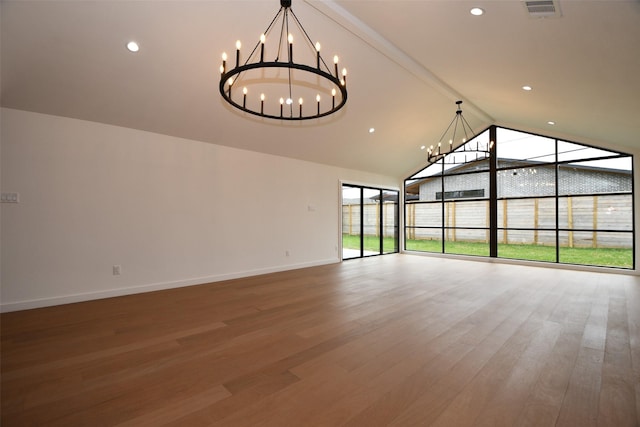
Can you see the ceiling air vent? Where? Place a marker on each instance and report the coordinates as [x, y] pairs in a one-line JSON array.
[[542, 8]]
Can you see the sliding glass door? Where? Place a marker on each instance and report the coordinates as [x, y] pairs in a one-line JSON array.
[[369, 221]]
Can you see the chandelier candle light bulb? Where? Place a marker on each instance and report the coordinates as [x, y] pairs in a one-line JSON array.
[[318, 55], [263, 39], [244, 97], [290, 39], [238, 46]]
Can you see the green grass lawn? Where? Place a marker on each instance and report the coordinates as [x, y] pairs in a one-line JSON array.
[[606, 257], [371, 243]]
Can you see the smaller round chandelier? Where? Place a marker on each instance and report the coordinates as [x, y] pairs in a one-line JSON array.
[[281, 88], [466, 152]]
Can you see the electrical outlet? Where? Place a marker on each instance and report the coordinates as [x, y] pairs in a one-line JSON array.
[[117, 270]]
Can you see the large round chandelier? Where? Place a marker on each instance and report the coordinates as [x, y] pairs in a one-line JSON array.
[[451, 151], [281, 88]]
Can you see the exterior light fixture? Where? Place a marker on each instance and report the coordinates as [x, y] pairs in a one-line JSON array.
[[266, 81], [465, 151]]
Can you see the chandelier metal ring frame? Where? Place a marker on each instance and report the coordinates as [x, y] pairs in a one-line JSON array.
[[228, 78]]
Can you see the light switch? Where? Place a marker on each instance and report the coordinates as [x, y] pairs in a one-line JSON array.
[[10, 198]]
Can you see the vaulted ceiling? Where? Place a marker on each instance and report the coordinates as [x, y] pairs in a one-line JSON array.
[[408, 62]]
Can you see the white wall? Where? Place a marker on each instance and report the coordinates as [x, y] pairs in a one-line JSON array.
[[171, 212]]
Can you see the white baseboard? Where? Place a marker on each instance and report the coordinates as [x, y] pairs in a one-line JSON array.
[[117, 292]]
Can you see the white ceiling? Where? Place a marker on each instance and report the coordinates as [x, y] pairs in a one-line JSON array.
[[408, 62]]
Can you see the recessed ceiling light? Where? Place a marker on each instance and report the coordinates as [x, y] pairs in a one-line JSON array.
[[133, 46], [527, 88], [476, 11], [551, 122], [371, 130]]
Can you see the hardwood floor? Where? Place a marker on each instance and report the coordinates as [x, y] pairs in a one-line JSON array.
[[398, 340]]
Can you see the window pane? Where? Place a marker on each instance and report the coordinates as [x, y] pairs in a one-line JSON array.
[[516, 145], [424, 240], [515, 236], [428, 188], [527, 181], [599, 248], [471, 186], [527, 213], [533, 245], [464, 241], [614, 212], [371, 221], [467, 214], [424, 214], [607, 176], [611, 212], [431, 170], [571, 151], [412, 190], [350, 222], [390, 221]]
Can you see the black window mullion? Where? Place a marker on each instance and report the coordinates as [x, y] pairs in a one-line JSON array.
[[442, 177], [557, 207], [493, 194], [381, 231], [361, 222]]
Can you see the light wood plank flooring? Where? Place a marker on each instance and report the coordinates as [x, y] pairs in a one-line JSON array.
[[398, 340]]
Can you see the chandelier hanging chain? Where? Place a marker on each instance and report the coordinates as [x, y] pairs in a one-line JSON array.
[[286, 20], [308, 39], [297, 78], [281, 40], [255, 48], [464, 124]]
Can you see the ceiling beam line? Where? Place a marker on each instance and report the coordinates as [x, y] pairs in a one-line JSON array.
[[342, 17]]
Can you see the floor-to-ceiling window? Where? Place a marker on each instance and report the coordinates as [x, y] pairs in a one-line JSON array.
[[533, 198], [369, 221]]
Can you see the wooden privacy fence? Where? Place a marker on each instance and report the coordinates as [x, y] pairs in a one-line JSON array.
[[529, 221], [372, 219]]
